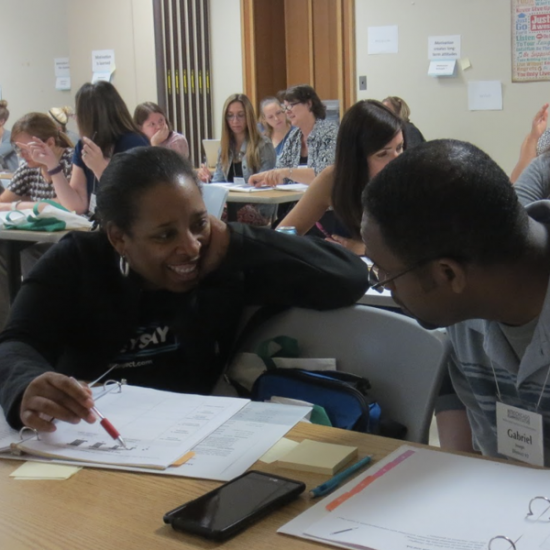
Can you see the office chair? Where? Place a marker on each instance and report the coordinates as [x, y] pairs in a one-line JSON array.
[[403, 362]]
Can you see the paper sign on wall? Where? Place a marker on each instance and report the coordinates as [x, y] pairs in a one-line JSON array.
[[444, 47], [383, 40], [63, 83], [442, 68], [485, 95], [62, 67], [103, 61]]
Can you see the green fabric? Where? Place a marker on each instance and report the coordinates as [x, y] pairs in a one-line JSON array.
[[280, 346], [320, 416], [38, 224]]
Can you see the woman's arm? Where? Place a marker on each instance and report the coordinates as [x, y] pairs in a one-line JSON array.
[[313, 204], [528, 149], [534, 182]]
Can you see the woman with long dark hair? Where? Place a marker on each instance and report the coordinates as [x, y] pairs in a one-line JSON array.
[[370, 136]]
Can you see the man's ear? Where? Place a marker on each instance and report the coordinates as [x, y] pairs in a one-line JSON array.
[[117, 238], [450, 273]]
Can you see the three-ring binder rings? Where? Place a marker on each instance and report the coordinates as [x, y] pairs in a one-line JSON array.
[[159, 428], [420, 498]]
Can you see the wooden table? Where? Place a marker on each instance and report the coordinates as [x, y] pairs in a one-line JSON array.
[[265, 197], [104, 510], [12, 242]]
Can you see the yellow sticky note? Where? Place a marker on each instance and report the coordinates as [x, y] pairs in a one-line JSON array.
[[465, 63], [280, 449], [44, 470]]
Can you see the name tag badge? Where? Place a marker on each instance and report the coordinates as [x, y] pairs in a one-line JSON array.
[[239, 181], [93, 203], [519, 434]]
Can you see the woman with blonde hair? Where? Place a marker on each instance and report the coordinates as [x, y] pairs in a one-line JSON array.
[[243, 150], [61, 116], [8, 156], [413, 136], [152, 121], [275, 123]]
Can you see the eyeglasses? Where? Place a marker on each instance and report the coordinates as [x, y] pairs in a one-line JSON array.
[[290, 106], [375, 274], [238, 116]]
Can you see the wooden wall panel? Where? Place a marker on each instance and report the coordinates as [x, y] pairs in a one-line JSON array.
[[327, 48], [270, 47], [299, 50]]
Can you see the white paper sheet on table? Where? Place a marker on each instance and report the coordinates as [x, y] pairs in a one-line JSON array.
[[419, 498]]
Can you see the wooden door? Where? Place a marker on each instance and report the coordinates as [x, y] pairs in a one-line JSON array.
[[288, 42]]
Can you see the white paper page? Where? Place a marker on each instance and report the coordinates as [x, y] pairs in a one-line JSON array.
[[383, 40], [438, 501], [442, 68], [485, 95], [158, 428], [242, 440], [292, 187], [248, 188]]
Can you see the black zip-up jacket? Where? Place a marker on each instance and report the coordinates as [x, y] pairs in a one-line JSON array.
[[75, 311]]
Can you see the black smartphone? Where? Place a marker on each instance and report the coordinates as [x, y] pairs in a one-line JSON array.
[[227, 510]]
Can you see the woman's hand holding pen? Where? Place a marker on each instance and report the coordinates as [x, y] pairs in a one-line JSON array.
[[270, 178], [204, 174], [54, 395], [92, 157]]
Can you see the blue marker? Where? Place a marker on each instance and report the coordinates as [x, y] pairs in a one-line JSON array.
[[333, 482]]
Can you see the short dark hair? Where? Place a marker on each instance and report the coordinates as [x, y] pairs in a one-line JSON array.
[[304, 93], [132, 173], [366, 128], [447, 198], [102, 115]]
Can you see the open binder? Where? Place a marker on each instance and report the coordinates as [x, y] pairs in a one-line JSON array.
[[159, 427]]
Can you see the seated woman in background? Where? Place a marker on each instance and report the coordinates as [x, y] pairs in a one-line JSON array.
[[534, 182], [61, 116], [8, 155], [160, 266], [106, 128], [275, 123], [535, 143], [413, 136], [32, 181], [311, 143], [370, 137], [152, 121], [243, 152]]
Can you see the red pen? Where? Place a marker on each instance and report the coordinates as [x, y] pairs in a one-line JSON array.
[[104, 422], [322, 230]]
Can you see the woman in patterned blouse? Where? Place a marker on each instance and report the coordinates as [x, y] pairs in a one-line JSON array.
[[32, 182], [310, 145]]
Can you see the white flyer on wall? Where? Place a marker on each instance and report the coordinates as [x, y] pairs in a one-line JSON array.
[[103, 61], [485, 95], [62, 67], [383, 40], [444, 47]]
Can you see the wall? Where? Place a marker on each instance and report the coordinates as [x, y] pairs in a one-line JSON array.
[[34, 32], [126, 26], [226, 55], [440, 105]]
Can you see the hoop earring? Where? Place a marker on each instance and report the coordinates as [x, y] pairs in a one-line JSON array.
[[124, 266]]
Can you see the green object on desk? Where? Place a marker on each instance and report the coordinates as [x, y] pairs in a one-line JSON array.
[[320, 416]]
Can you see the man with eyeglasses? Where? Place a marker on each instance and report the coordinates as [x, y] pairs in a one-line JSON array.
[[450, 240]]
